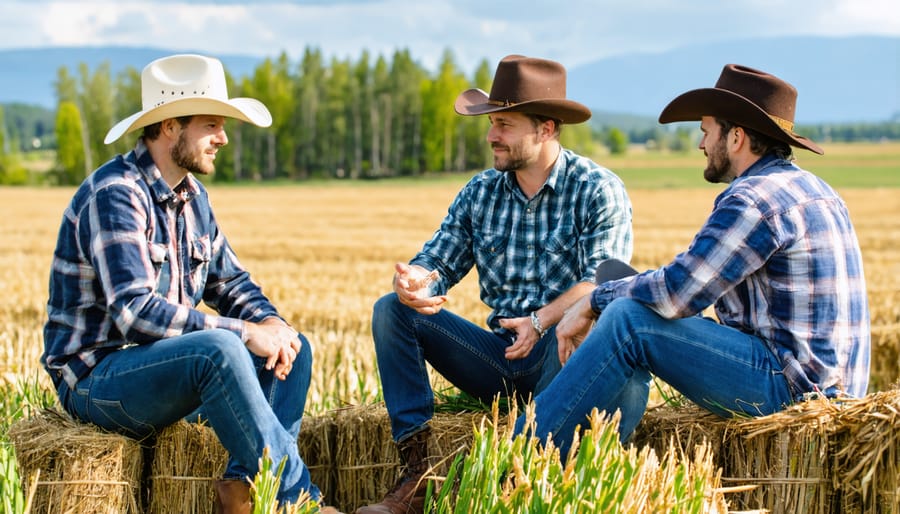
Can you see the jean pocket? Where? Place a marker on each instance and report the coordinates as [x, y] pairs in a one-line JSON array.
[[111, 415]]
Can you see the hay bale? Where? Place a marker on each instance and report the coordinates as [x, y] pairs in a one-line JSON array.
[[76, 467], [788, 456], [316, 447], [867, 458], [365, 457], [683, 427], [188, 458]]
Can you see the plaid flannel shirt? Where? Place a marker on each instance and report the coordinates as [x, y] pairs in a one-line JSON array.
[[133, 259], [780, 259], [529, 251]]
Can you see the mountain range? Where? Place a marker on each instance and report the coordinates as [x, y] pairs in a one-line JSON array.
[[840, 80]]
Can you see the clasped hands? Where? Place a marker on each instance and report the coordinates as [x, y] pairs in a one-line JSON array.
[[276, 341]]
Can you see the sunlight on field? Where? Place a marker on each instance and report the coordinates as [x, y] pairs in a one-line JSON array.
[[324, 254]]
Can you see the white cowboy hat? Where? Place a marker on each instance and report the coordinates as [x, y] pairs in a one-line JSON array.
[[185, 85]]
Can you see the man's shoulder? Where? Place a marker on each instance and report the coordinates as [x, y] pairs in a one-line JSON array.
[[585, 169]]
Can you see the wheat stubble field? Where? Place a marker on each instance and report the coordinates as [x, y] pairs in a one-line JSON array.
[[324, 252]]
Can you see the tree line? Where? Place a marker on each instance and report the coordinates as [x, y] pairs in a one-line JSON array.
[[336, 118]]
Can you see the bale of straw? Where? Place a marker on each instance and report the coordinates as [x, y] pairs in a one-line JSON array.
[[683, 427], [188, 459], [316, 445], [867, 458], [76, 467], [788, 456], [366, 459]]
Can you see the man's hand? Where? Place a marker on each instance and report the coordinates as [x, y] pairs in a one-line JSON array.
[[574, 326], [411, 283], [276, 341], [526, 337]]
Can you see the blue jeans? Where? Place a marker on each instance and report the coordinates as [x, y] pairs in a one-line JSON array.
[[719, 368], [469, 356], [139, 390]]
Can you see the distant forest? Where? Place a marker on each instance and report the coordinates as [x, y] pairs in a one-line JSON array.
[[337, 119]]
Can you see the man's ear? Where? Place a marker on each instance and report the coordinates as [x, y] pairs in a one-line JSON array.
[[170, 127]]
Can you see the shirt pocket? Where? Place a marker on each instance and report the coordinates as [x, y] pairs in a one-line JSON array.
[[491, 257], [201, 253], [159, 257], [559, 257]]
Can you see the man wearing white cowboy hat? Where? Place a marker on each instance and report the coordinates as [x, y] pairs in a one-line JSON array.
[[138, 249], [535, 227], [779, 259]]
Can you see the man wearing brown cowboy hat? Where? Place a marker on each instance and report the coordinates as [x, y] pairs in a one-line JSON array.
[[779, 259], [535, 227], [138, 249]]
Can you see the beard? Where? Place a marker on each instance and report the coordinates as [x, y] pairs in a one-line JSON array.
[[515, 160], [182, 156], [718, 164]]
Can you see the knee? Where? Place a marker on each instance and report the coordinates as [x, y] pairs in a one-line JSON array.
[[304, 359], [385, 313], [223, 343]]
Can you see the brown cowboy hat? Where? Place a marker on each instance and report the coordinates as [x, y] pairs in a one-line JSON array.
[[747, 97], [525, 84]]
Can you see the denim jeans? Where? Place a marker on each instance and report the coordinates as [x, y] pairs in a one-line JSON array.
[[141, 389], [719, 368], [469, 356]]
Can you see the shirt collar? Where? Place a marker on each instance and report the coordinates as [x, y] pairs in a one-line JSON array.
[[552, 180], [767, 160], [162, 193]]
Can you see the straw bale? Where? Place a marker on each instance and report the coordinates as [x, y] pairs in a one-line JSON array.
[[366, 459], [316, 447], [787, 455], [867, 461], [77, 467], [188, 458], [683, 427]]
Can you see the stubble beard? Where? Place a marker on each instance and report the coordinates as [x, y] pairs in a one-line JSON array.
[[718, 166], [182, 157]]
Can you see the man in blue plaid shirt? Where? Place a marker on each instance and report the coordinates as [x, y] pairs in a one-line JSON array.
[[535, 227], [779, 259], [139, 248]]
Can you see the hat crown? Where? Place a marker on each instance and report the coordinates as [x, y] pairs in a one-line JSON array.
[[771, 94], [182, 76], [521, 79]]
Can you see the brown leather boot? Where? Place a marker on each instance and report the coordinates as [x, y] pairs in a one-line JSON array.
[[232, 497], [408, 494]]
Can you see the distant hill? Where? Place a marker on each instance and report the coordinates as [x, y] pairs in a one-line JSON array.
[[28, 75], [840, 80]]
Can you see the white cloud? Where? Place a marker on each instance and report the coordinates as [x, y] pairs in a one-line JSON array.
[[574, 32]]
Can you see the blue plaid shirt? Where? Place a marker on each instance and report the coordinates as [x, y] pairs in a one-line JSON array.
[[780, 259], [132, 261], [529, 251]]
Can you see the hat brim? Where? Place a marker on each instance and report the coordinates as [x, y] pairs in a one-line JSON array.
[[473, 102], [721, 103], [244, 109]]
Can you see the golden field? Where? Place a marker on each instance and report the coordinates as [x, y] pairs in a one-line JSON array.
[[325, 252]]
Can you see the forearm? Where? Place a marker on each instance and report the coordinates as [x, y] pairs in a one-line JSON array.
[[551, 313]]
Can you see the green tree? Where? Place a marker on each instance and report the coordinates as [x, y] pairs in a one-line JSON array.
[[69, 146], [439, 121], [616, 141]]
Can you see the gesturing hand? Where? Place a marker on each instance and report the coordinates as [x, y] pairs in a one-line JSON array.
[[411, 283]]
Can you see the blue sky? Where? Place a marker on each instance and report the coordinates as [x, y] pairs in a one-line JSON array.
[[574, 31]]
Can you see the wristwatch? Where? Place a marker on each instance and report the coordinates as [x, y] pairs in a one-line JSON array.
[[536, 323]]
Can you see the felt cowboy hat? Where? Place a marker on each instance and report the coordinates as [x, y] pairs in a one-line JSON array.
[[747, 97], [525, 84], [185, 85]]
